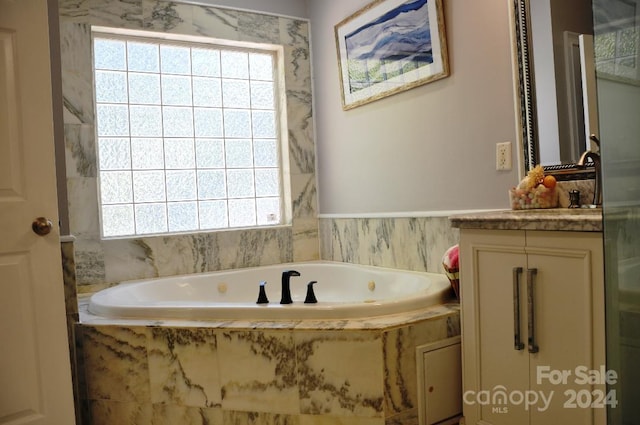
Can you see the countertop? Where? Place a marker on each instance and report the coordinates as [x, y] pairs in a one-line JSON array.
[[558, 219]]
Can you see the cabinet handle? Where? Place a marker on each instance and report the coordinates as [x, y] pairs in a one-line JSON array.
[[518, 344], [531, 275]]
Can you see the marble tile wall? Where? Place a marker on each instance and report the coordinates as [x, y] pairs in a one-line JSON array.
[[211, 375], [103, 262], [415, 243]]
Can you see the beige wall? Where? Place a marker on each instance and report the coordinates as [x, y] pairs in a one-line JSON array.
[[431, 148]]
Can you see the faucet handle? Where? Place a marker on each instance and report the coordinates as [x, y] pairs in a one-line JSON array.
[[262, 296], [311, 297], [595, 140]]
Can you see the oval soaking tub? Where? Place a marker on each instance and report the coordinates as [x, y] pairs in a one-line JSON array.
[[342, 291]]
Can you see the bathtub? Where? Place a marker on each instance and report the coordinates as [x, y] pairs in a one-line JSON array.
[[342, 290]]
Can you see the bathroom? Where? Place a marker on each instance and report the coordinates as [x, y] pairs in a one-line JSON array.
[[427, 153]]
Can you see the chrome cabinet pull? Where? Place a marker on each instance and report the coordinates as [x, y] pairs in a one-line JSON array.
[[531, 275], [517, 343]]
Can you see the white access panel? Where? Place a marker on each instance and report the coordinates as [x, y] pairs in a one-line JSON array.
[[439, 367]]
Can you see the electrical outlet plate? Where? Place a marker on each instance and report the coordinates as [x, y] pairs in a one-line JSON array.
[[503, 156]]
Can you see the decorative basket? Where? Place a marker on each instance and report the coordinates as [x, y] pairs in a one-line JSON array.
[[538, 197]]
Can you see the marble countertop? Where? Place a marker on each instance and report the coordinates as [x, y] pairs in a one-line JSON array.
[[557, 219]]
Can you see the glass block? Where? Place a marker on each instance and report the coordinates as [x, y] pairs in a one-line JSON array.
[[151, 218], [148, 186], [207, 92], [235, 94], [117, 220], [262, 95], [261, 66], [237, 123], [240, 183], [114, 154], [143, 56], [179, 153], [181, 185], [267, 182], [183, 216], [234, 64], [175, 60], [147, 154], [211, 184], [113, 120], [213, 215], [109, 54], [115, 187], [242, 212], [205, 62], [177, 121], [268, 210], [208, 122], [265, 153], [146, 121], [111, 87], [176, 90], [210, 153], [144, 88], [239, 153], [264, 124]]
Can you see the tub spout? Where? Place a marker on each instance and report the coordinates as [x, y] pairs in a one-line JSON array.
[[286, 287], [311, 296]]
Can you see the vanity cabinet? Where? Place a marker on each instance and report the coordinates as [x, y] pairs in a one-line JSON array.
[[532, 327]]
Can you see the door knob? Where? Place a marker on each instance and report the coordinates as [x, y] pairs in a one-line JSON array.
[[42, 226]]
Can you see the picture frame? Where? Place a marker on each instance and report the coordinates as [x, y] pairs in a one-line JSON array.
[[390, 46]]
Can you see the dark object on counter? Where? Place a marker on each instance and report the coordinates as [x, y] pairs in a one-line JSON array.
[[574, 199]]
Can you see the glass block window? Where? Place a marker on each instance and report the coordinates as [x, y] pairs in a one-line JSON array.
[[187, 136]]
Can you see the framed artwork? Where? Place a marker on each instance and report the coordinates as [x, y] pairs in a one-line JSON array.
[[390, 46]]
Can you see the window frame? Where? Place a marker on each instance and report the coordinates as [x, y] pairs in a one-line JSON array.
[[280, 111]]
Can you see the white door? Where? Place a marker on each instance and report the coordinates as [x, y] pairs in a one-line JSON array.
[[35, 373]]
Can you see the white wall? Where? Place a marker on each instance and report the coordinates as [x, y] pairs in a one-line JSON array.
[[431, 148]]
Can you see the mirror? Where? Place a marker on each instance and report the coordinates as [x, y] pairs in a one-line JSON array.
[[554, 45]]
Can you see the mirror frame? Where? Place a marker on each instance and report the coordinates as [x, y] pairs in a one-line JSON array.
[[526, 99]]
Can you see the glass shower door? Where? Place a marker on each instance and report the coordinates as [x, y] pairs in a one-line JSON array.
[[616, 43]]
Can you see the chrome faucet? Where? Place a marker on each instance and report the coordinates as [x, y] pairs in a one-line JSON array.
[[591, 156], [286, 288]]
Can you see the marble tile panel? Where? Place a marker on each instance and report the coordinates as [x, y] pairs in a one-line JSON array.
[[304, 194], [215, 22], [409, 417], [297, 71], [258, 371], [73, 10], [258, 28], [252, 248], [82, 193], [339, 420], [69, 279], [164, 414], [128, 259], [116, 13], [168, 16], [80, 150], [294, 32], [115, 363], [305, 240], [89, 257], [179, 254], [259, 418], [300, 120], [399, 345], [340, 373], [406, 243], [107, 412], [77, 73], [183, 367]]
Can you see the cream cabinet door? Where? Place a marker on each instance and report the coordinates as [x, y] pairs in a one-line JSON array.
[[35, 376]]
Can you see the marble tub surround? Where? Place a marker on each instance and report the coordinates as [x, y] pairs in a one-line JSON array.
[[561, 219], [101, 263], [408, 243], [215, 373]]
